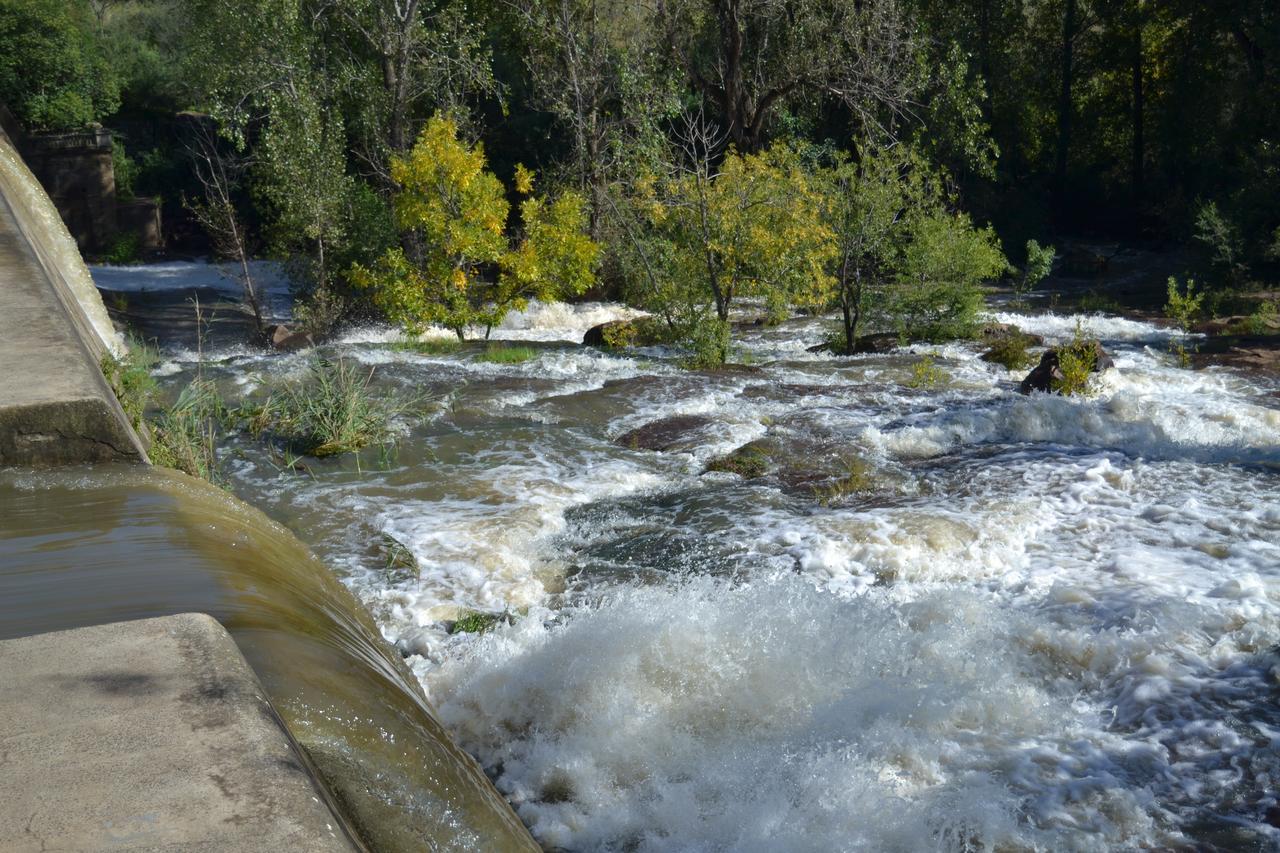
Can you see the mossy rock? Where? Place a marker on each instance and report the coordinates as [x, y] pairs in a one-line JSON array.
[[620, 334], [750, 461]]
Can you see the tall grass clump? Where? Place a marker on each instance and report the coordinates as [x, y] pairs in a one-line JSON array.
[[332, 411], [508, 355], [130, 379], [185, 435]]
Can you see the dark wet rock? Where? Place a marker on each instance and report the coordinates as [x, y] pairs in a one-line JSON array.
[[673, 433], [1246, 352], [622, 333], [881, 342], [1046, 374], [287, 340], [787, 390], [994, 333]]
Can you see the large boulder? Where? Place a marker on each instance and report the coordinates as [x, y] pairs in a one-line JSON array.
[[879, 343], [621, 333], [994, 333], [673, 433], [287, 340], [1047, 373]]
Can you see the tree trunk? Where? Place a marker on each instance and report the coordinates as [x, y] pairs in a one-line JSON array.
[[1064, 105], [1139, 141]]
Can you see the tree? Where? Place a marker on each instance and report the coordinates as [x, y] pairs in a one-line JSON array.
[[867, 206], [459, 210], [750, 228], [936, 294], [749, 57], [54, 74], [593, 67], [220, 170]]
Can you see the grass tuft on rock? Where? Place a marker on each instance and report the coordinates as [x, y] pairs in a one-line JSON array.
[[476, 622], [429, 346]]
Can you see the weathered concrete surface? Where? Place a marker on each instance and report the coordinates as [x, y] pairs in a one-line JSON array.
[[149, 735], [55, 406]]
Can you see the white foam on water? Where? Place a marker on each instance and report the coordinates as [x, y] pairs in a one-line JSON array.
[[776, 716]]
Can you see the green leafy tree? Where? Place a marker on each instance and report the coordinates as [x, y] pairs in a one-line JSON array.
[[54, 73], [458, 210], [750, 228], [867, 206], [937, 293], [1038, 266]]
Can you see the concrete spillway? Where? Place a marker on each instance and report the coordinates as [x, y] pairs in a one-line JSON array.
[[55, 406], [294, 722]]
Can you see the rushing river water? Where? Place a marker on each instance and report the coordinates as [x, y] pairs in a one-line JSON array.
[[1036, 623]]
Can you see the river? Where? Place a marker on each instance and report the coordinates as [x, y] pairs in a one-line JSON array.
[[948, 617]]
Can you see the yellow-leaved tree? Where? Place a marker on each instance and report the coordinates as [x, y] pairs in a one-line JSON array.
[[465, 272], [752, 227]]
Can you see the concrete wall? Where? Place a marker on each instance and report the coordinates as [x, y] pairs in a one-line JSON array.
[[55, 406]]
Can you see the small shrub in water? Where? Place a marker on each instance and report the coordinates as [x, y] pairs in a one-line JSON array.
[[331, 412], [1076, 362], [508, 355], [1010, 352], [1183, 306], [927, 374]]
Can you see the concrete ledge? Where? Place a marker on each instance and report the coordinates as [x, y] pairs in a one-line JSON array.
[[149, 735], [55, 405]]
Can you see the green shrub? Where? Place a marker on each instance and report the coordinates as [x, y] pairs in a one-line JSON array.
[[1265, 320], [927, 374], [1183, 306], [131, 380], [125, 169], [332, 411], [1010, 351], [501, 354], [620, 335], [125, 250], [1076, 363], [1038, 266], [185, 435]]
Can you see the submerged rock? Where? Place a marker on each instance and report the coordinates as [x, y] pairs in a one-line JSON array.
[[1047, 373], [670, 433]]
